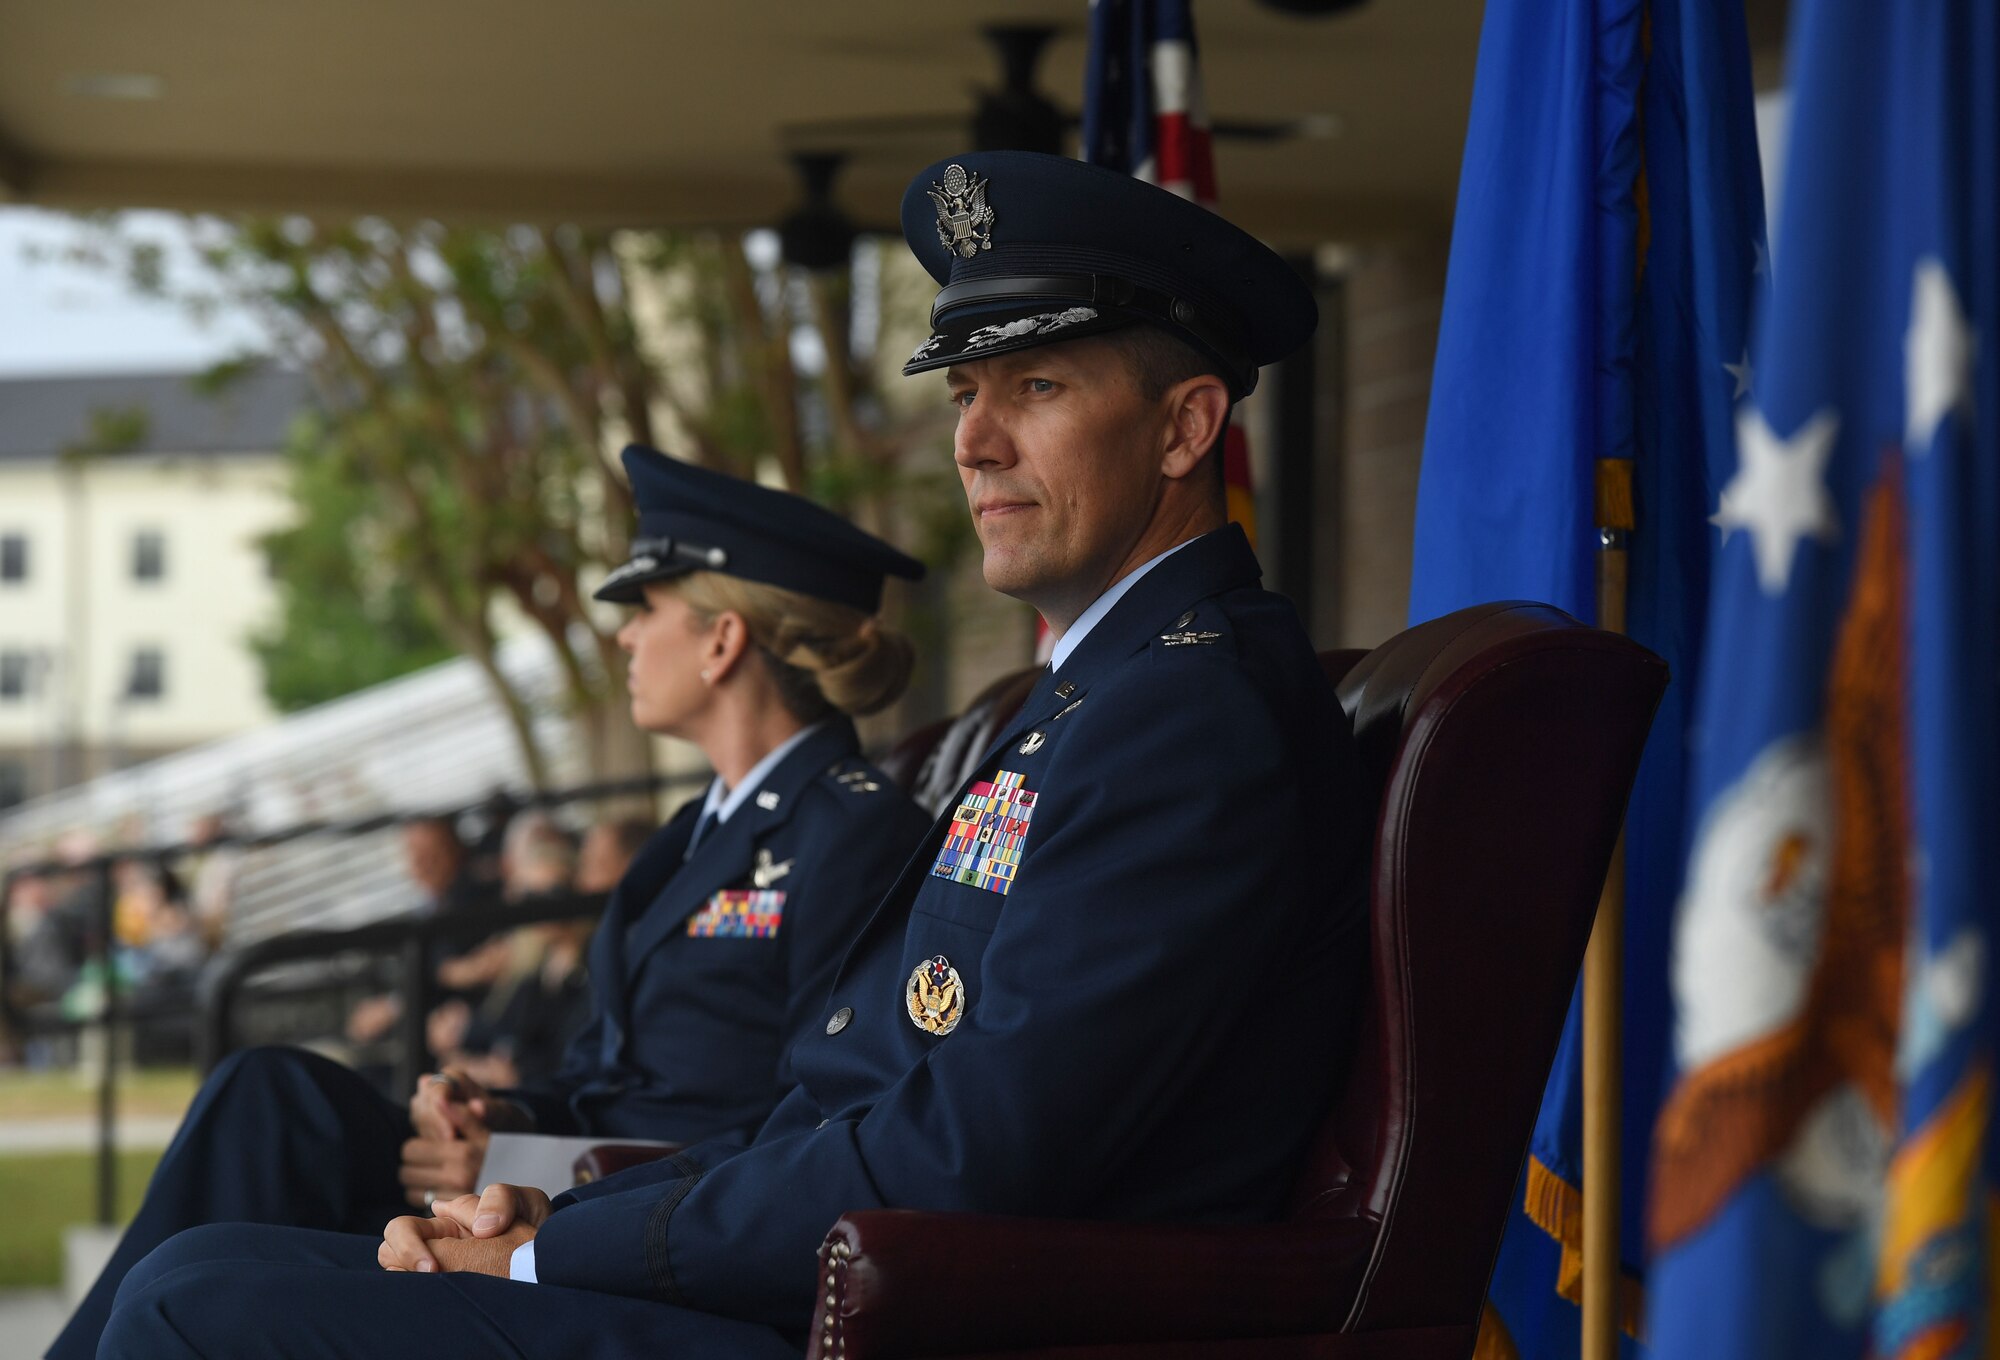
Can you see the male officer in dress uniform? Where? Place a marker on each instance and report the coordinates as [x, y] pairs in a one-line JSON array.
[[713, 956], [1115, 981]]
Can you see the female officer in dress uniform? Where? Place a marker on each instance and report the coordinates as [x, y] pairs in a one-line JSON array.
[[753, 637]]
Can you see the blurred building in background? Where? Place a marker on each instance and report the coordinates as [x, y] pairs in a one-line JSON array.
[[130, 574]]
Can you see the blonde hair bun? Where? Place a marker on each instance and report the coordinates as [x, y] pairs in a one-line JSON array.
[[871, 674], [822, 654]]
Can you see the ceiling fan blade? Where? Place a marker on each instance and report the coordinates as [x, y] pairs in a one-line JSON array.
[[1315, 126]]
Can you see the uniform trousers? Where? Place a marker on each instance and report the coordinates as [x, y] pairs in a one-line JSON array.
[[261, 1293], [276, 1135]]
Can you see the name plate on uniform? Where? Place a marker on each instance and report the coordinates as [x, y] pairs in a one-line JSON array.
[[741, 914], [983, 847]]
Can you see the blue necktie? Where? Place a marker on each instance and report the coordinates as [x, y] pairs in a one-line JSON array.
[[701, 829]]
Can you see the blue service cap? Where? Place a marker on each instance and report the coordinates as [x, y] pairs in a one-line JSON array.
[[1035, 249], [692, 519]]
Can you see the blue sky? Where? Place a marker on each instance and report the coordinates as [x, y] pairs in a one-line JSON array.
[[57, 317]]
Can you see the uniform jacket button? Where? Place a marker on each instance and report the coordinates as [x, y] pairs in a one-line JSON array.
[[839, 1020]]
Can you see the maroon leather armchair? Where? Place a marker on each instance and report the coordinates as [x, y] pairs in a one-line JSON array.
[[1503, 740], [933, 761]]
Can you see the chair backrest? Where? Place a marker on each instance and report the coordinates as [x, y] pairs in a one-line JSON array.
[[931, 762], [1504, 740]]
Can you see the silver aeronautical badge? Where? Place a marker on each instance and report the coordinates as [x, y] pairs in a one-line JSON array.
[[769, 870], [935, 996], [965, 219]]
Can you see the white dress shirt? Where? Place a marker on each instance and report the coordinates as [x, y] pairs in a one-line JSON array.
[[1074, 635]]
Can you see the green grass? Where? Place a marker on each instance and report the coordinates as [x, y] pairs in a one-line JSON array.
[[54, 1095], [45, 1192], [41, 1193]]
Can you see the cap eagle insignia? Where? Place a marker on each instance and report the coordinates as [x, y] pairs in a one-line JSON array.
[[935, 996], [965, 220]]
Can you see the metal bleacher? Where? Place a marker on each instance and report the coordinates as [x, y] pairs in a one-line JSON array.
[[435, 738]]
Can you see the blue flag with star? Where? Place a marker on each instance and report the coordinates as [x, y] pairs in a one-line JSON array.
[[1824, 1175], [1608, 241]]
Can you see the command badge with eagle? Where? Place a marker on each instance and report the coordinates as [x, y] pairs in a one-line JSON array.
[[935, 996], [965, 219]]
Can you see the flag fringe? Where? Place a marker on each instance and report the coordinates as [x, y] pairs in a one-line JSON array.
[[1556, 1207]]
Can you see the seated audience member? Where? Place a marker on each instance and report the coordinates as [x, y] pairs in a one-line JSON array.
[[60, 939], [608, 848], [525, 1042], [517, 1032], [1119, 976], [434, 858], [212, 868], [531, 1034], [753, 637]]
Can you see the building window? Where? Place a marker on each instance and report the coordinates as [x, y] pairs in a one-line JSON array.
[[13, 557], [13, 783], [148, 679], [149, 555], [14, 666]]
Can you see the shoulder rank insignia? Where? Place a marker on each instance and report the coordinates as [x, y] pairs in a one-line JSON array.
[[935, 995], [983, 847], [739, 915], [1188, 639], [856, 781], [769, 870], [965, 219]]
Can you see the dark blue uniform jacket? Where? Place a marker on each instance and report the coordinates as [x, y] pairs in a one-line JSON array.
[[1154, 953], [707, 971]]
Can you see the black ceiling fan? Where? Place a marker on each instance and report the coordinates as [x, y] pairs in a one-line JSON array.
[[817, 234], [1017, 116]]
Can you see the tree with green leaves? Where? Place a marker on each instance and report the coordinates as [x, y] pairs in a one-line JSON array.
[[461, 480]]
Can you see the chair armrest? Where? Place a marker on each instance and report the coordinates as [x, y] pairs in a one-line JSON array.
[[899, 1283], [608, 1159]]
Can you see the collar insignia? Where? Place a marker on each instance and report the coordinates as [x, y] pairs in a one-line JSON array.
[[965, 219], [768, 799]]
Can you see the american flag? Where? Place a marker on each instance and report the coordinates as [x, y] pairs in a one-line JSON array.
[[1144, 113]]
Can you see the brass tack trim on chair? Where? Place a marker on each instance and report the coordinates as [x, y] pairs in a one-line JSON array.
[[832, 1341]]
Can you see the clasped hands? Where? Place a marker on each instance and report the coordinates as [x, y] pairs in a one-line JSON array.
[[475, 1233], [454, 1118]]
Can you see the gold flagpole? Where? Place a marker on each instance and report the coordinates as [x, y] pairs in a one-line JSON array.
[[1604, 980]]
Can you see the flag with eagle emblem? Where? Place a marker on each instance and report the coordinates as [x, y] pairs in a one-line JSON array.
[[1824, 1169], [1607, 248]]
